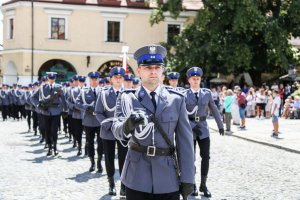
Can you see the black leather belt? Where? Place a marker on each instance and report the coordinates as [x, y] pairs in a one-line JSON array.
[[151, 150], [197, 119]]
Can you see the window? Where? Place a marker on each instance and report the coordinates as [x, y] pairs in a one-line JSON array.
[[173, 30], [11, 28], [58, 28], [113, 31]]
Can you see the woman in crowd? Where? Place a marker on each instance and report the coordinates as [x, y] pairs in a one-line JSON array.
[[228, 101]]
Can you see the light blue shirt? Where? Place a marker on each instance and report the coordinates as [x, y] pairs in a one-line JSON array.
[[228, 103]]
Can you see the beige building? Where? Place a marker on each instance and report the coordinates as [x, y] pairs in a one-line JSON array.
[[78, 36]]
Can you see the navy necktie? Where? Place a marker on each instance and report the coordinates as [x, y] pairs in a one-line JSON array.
[[196, 95], [95, 92], [153, 99], [117, 93]]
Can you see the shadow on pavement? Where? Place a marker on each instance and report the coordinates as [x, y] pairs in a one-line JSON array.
[[85, 176], [73, 158], [37, 144], [41, 159], [68, 150], [38, 151]]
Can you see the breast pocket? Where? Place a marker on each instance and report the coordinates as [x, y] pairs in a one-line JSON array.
[[169, 116]]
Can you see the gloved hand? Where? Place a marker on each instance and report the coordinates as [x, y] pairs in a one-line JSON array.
[[106, 125], [221, 131], [186, 189], [197, 130], [133, 121], [90, 110]]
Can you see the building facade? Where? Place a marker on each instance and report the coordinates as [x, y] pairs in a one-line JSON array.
[[78, 36]]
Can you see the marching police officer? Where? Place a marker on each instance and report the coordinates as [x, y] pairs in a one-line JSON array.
[[5, 101], [77, 114], [51, 100], [135, 82], [198, 101], [128, 81], [28, 106], [105, 108], [152, 117], [173, 78], [86, 102]]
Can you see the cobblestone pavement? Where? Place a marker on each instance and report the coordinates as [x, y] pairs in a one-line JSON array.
[[239, 170]]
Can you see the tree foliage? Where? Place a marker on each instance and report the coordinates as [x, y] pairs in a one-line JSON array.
[[236, 36]]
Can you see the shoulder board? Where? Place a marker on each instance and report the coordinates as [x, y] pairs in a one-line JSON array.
[[170, 89], [205, 90], [127, 91], [85, 88], [104, 88]]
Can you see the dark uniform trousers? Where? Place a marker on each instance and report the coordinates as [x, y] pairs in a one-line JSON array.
[[204, 146], [5, 110], [42, 126], [51, 124], [134, 195], [77, 130], [71, 127], [15, 111], [109, 151], [35, 120], [23, 112], [91, 132], [28, 115]]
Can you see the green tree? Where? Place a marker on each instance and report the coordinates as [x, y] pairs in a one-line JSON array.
[[235, 36]]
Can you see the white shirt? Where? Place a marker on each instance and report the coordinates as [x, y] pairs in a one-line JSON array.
[[276, 101], [157, 92]]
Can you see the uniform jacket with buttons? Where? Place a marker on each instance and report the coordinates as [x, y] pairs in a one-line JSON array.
[[90, 98], [103, 113], [59, 102], [157, 174], [205, 102], [71, 100]]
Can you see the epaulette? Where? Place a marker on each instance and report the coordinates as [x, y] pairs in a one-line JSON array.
[[206, 89], [85, 88], [127, 91], [170, 89]]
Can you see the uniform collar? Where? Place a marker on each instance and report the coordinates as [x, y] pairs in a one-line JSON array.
[[157, 91], [194, 91]]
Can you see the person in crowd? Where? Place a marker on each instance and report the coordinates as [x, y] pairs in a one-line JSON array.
[[228, 101], [286, 107], [260, 103], [296, 107], [269, 98], [275, 113], [241, 98], [235, 108], [250, 101]]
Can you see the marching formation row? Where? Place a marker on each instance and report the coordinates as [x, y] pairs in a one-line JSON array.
[[155, 127]]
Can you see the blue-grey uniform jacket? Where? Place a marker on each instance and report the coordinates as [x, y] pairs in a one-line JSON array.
[[157, 174], [44, 94], [26, 99], [105, 108], [34, 107], [205, 102], [86, 98], [67, 92], [5, 101], [71, 100], [16, 96]]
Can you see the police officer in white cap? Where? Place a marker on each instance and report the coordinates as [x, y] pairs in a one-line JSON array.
[[151, 118]]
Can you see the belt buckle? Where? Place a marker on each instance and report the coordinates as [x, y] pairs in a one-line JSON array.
[[197, 119], [151, 150]]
